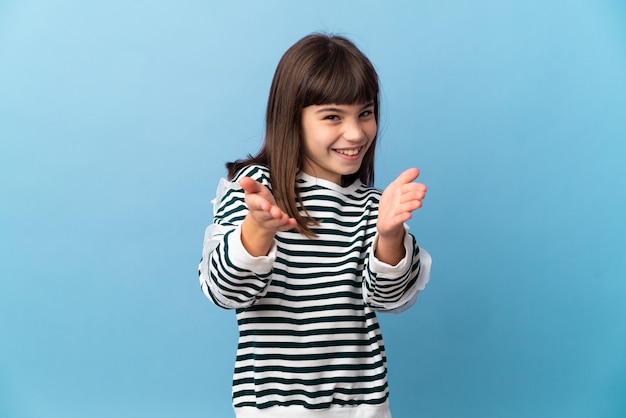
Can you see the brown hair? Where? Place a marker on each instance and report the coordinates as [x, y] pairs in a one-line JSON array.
[[318, 69]]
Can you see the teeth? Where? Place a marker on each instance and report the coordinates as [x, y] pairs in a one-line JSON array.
[[348, 151]]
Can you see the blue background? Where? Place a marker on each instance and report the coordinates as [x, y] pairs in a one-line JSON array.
[[116, 119]]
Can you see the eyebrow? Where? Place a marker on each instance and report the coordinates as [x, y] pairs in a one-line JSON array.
[[341, 111]]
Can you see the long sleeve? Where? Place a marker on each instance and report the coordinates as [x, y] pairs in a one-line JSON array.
[[309, 337], [394, 288], [229, 275]]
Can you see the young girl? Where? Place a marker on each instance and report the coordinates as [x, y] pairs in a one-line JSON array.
[[306, 250]]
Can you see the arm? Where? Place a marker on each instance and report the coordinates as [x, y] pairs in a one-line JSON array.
[[397, 202], [234, 273], [394, 288], [264, 218], [396, 271]]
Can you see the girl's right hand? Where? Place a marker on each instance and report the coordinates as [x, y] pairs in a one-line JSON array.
[[264, 218]]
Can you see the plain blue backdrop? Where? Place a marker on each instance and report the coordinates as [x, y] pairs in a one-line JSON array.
[[116, 119]]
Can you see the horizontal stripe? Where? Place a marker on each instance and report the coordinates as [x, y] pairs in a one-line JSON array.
[[310, 357], [308, 344], [306, 403], [308, 333], [299, 320], [275, 368], [305, 333], [313, 395], [275, 381], [262, 307]]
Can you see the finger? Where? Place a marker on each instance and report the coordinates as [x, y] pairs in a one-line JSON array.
[[409, 205], [420, 187], [416, 194], [277, 213], [250, 185], [412, 205], [286, 220], [407, 175], [405, 210], [257, 202], [282, 223], [290, 224]]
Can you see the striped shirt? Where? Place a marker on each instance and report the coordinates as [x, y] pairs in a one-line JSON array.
[[309, 340]]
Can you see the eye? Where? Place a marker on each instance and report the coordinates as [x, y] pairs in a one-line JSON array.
[[366, 113], [332, 117]]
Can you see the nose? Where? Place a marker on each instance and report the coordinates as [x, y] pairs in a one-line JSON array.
[[354, 131]]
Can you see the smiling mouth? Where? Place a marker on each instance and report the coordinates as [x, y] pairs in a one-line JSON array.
[[349, 152]]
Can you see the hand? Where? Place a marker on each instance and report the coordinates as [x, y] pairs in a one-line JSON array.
[[262, 207], [397, 202], [264, 218]]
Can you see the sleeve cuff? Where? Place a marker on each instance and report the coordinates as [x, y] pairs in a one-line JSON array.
[[242, 258], [422, 280], [379, 267]]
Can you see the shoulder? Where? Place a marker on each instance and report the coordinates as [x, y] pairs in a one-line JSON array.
[[256, 172], [367, 193], [229, 191]]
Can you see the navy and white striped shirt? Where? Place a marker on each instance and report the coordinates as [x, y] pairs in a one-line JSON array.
[[309, 339]]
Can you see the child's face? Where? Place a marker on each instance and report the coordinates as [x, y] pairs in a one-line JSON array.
[[336, 138]]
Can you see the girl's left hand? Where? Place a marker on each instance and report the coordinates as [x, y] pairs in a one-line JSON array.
[[398, 200]]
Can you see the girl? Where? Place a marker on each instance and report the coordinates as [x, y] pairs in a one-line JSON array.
[[306, 250]]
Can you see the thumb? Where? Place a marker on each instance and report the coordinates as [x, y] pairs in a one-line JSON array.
[[250, 185], [407, 176]]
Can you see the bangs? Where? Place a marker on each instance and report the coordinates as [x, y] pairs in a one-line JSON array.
[[340, 77]]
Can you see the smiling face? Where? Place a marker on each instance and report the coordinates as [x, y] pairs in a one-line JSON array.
[[335, 139]]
